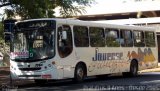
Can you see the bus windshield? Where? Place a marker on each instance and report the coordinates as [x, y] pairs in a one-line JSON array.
[[33, 44]]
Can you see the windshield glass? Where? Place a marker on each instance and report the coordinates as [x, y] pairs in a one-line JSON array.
[[33, 44]]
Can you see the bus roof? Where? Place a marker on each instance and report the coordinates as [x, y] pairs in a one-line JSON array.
[[93, 24]]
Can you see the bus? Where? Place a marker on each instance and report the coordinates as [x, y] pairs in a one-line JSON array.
[[53, 49]]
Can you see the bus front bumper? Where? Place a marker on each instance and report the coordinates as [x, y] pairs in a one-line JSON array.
[[47, 74]]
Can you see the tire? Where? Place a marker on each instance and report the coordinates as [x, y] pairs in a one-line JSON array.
[[133, 70], [79, 74]]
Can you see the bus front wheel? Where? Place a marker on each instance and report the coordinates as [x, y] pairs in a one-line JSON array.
[[79, 73]]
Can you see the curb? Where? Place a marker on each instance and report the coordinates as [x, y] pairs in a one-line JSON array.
[[151, 70], [157, 69]]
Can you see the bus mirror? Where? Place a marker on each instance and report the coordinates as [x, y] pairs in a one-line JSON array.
[[64, 35]]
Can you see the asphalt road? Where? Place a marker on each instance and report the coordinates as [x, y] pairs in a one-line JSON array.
[[145, 81]]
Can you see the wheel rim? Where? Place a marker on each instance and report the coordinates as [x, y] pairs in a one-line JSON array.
[[80, 73], [134, 70]]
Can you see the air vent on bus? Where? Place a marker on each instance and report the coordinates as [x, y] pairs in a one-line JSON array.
[[29, 69], [29, 75]]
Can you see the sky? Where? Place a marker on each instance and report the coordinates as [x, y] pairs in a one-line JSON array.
[[1, 10], [103, 5], [99, 5], [118, 6]]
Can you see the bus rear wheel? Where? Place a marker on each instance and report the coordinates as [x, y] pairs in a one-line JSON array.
[[133, 70], [79, 74]]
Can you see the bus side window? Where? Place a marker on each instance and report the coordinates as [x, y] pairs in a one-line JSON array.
[[81, 38], [138, 38], [126, 38], [112, 37], [97, 38], [65, 45], [150, 39]]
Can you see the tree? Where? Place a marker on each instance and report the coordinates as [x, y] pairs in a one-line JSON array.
[[1, 31], [67, 8], [1, 37], [44, 8]]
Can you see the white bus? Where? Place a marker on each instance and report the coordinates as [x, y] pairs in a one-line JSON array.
[[53, 49]]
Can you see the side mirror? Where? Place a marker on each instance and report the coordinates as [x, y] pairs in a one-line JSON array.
[[64, 35]]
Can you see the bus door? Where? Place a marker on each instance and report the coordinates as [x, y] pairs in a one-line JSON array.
[[65, 50]]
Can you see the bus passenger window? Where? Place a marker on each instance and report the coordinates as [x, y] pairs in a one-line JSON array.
[[138, 39], [64, 41], [150, 39], [112, 37], [81, 36], [97, 38], [126, 38]]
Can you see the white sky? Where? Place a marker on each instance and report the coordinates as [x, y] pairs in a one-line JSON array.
[[103, 5], [119, 6], [99, 5], [1, 10]]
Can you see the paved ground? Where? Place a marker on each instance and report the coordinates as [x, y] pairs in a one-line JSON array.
[[6, 84], [4, 76], [149, 81]]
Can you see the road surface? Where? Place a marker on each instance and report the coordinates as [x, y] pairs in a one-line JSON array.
[[145, 81]]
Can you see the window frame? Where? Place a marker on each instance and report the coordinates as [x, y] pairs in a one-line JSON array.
[[125, 39], [117, 39], [66, 49], [99, 38], [142, 39], [149, 41], [86, 37]]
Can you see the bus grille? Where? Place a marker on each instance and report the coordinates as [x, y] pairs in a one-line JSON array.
[[29, 75], [29, 69]]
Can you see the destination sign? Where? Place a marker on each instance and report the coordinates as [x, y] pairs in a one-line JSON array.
[[36, 23]]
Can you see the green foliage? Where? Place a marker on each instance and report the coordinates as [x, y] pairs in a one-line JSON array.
[[111, 42], [68, 9], [44, 8], [97, 37], [4, 47], [30, 9]]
